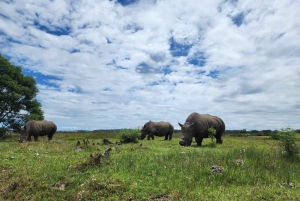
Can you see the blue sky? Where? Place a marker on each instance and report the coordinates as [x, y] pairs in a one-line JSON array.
[[107, 64]]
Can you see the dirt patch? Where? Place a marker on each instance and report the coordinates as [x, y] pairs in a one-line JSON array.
[[160, 198]]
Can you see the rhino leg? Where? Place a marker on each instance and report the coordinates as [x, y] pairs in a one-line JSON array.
[[35, 137], [50, 137], [199, 141], [166, 137], [219, 140], [29, 137], [152, 136], [148, 137], [170, 137]]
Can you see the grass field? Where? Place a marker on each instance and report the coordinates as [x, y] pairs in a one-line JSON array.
[[148, 170]]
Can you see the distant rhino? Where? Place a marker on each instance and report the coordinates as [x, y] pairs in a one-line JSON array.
[[197, 125], [158, 129], [38, 128]]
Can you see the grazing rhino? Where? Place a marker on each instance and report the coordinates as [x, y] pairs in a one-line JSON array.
[[158, 129], [38, 128], [197, 125]]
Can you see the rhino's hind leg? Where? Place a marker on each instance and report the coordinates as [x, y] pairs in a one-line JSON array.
[[219, 138], [166, 137], [36, 137], [219, 141], [50, 137]]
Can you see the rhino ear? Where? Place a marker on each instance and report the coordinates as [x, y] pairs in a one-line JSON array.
[[180, 124]]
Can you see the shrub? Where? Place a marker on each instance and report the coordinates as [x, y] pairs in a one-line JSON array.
[[275, 136], [129, 135], [3, 132], [211, 135], [287, 137]]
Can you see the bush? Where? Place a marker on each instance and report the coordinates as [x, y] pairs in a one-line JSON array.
[[130, 136], [287, 137], [275, 136], [3, 132], [211, 135]]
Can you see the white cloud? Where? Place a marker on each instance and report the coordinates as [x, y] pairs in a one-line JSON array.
[[115, 68]]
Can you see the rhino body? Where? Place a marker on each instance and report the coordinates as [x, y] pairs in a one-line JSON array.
[[197, 125], [158, 129], [38, 128]]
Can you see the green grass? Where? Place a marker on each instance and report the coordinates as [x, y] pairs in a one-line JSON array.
[[148, 170]]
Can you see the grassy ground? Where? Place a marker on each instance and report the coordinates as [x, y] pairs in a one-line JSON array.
[[148, 170]]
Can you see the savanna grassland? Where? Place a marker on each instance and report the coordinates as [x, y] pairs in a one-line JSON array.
[[148, 170]]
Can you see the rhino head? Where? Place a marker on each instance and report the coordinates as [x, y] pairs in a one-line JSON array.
[[24, 134], [147, 128], [187, 134]]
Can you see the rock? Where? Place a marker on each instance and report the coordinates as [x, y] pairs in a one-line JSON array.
[[239, 162], [215, 169]]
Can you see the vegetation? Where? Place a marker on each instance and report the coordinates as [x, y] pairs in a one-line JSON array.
[[130, 136], [150, 170], [211, 135], [17, 93], [287, 137]]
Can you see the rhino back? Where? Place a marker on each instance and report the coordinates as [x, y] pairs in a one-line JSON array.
[[204, 121], [162, 128]]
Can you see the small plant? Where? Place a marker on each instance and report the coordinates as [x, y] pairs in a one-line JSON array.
[[129, 135], [287, 137], [211, 135]]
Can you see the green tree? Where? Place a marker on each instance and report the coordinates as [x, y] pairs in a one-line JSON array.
[[17, 97]]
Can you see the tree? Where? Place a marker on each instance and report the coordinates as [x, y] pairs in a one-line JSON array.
[[17, 97]]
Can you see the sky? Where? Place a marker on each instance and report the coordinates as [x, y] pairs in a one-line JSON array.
[[113, 64]]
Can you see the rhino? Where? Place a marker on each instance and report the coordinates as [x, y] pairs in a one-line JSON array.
[[38, 128], [197, 125], [158, 129]]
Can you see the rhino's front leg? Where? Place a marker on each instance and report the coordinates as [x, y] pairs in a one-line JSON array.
[[199, 141]]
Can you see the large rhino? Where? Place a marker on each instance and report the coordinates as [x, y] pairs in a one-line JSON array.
[[38, 128], [158, 129], [197, 125]]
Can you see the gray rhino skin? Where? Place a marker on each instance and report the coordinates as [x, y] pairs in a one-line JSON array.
[[38, 128], [158, 129], [197, 125]]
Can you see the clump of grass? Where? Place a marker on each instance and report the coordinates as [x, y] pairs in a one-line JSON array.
[[129, 135]]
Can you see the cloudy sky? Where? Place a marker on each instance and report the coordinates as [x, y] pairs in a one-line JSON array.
[[102, 64]]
